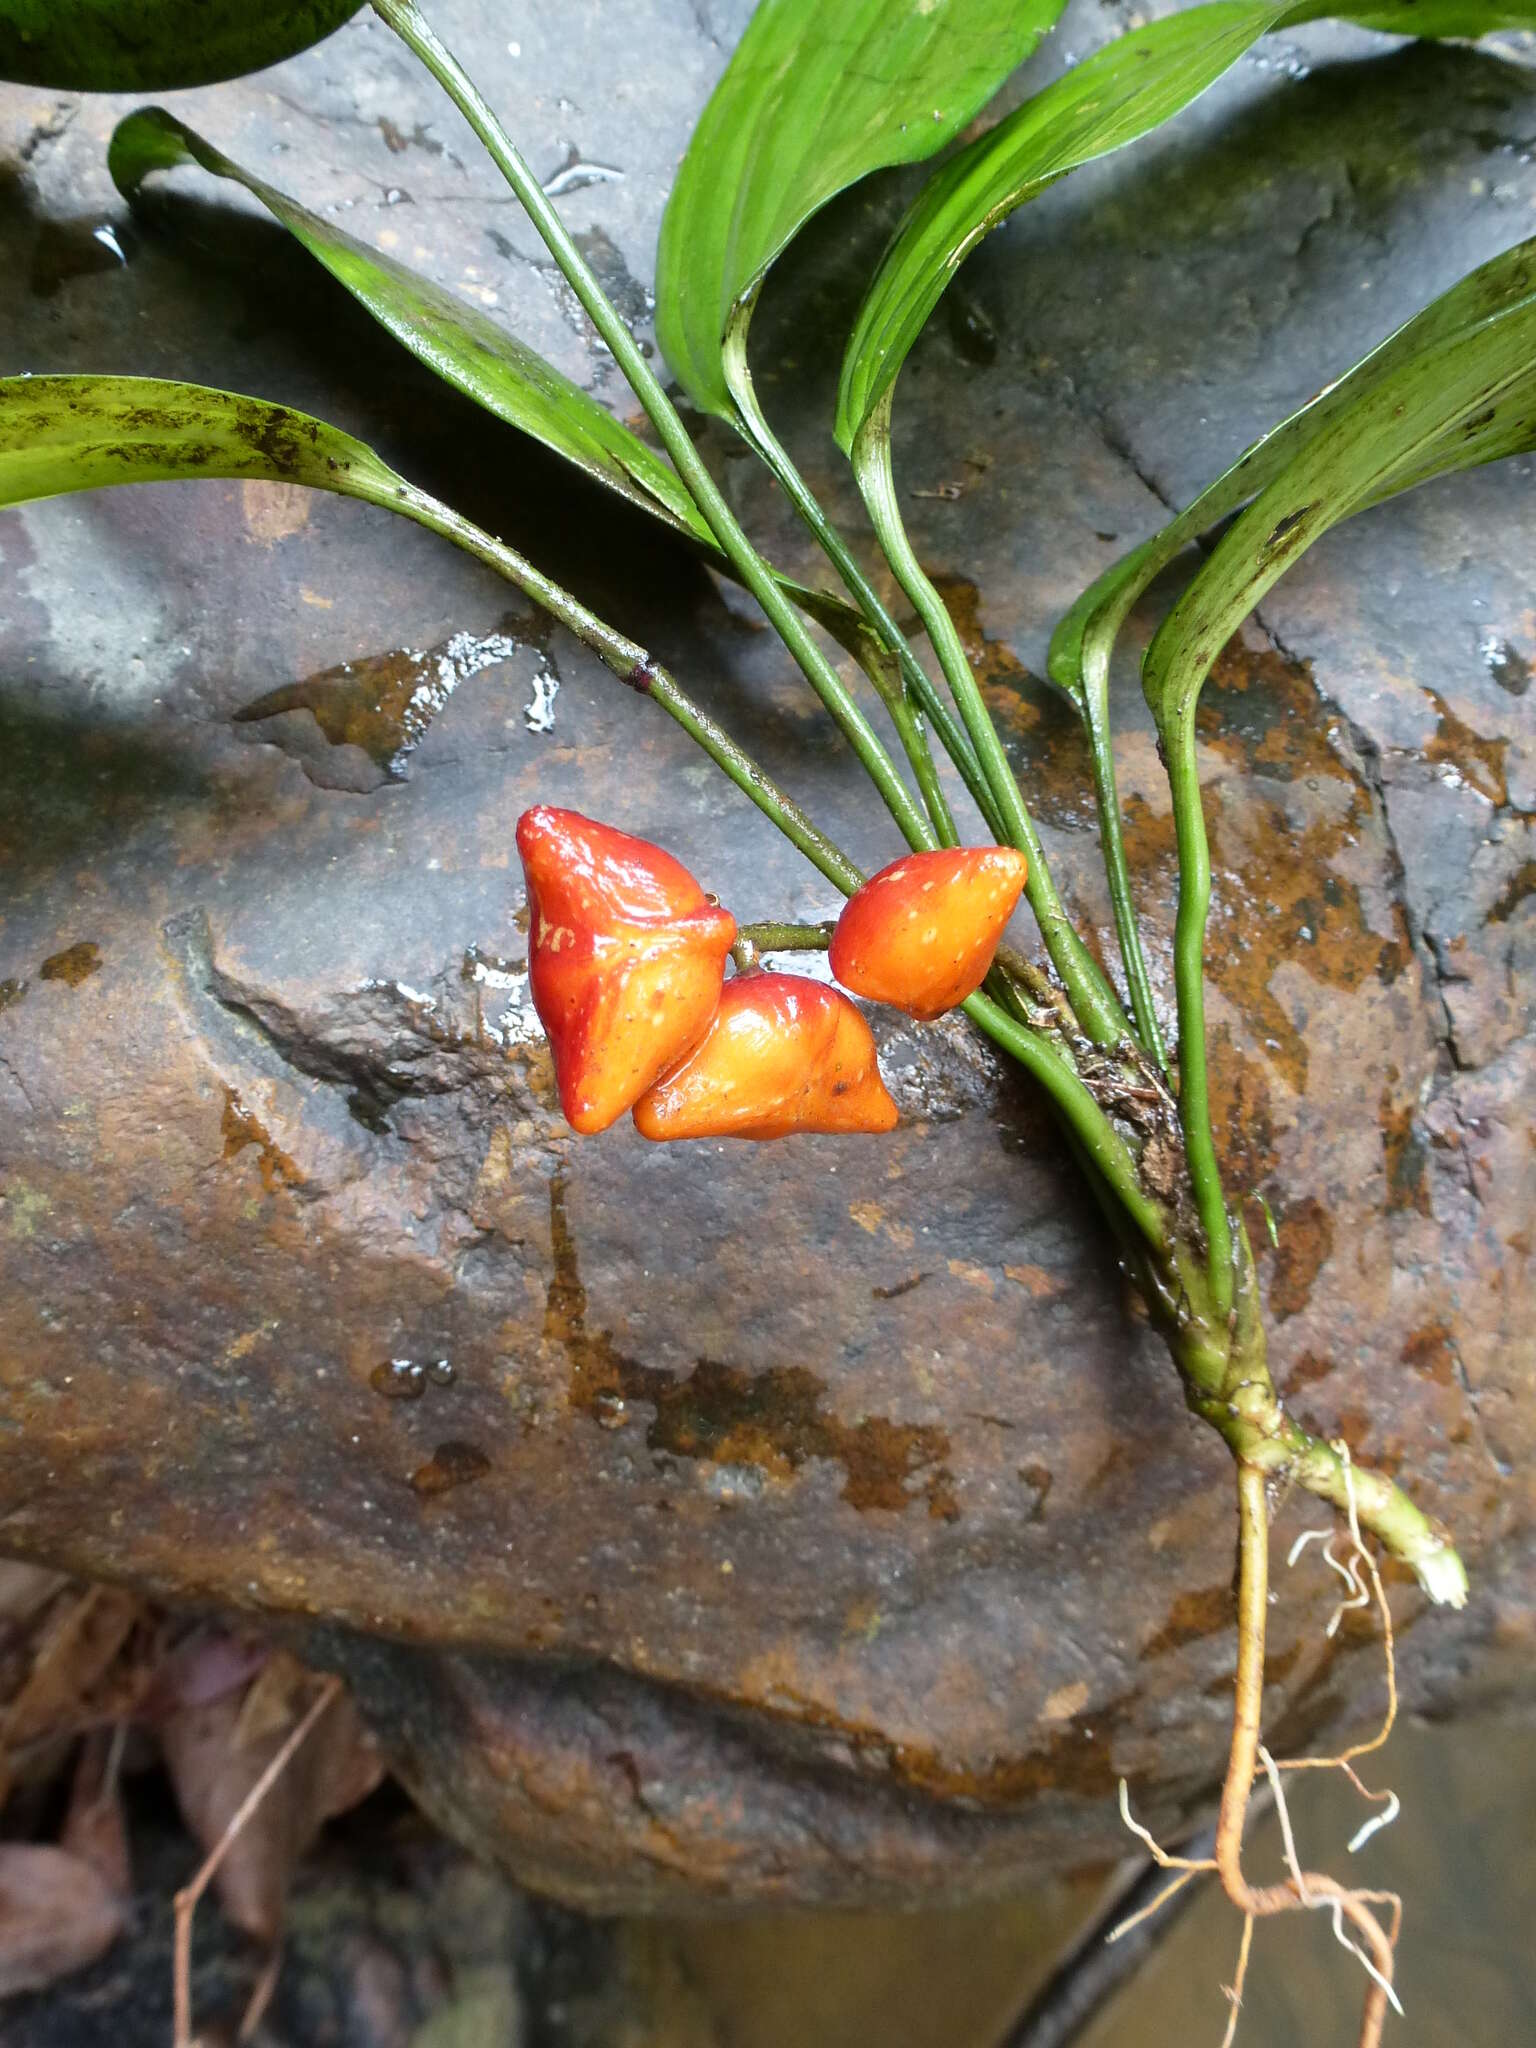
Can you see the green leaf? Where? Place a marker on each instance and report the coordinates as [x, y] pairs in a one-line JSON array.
[[153, 45], [477, 357], [457, 341], [81, 433], [1466, 18], [1084, 641], [77, 433], [1464, 397], [818, 94], [1122, 92]]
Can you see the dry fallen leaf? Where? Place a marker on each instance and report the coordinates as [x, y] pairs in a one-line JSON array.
[[25, 1589], [216, 1752], [76, 1648], [56, 1915], [95, 1827]]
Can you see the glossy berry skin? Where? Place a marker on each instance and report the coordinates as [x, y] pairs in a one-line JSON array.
[[784, 1054], [626, 959], [921, 934]]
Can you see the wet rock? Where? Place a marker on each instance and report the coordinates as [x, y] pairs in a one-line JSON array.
[[819, 1521]]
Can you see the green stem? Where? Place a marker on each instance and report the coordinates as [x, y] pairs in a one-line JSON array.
[[787, 938], [1112, 840], [1099, 1139], [633, 665], [915, 679], [406, 21], [1189, 982], [1236, 1395], [1380, 1503], [1092, 998]]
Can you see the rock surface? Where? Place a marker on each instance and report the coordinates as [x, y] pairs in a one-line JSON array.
[[812, 1521]]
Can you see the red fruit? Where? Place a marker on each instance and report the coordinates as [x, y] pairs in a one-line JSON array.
[[626, 959], [783, 1054], [921, 934]]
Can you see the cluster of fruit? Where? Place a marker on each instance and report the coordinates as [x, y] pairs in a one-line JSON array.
[[627, 959]]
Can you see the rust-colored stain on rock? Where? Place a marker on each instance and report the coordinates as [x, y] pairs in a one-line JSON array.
[[1477, 758], [75, 964], [1059, 778], [241, 1127], [451, 1464], [1521, 884], [1192, 1617], [1431, 1350], [1305, 1229], [1242, 1110], [1278, 892], [1076, 1756], [770, 1422], [1310, 1367], [1404, 1153], [1037, 1478]]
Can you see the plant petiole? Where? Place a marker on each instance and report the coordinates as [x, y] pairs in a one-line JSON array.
[[409, 24]]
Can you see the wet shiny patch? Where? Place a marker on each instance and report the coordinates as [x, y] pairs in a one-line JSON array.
[[241, 1127], [382, 704]]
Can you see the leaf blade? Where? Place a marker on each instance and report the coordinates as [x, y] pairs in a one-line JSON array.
[[455, 340], [818, 94], [1463, 399], [154, 45], [1122, 92], [82, 433], [1082, 642]]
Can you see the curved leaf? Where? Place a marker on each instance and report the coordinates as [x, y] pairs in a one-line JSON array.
[[479, 358], [1122, 92], [1467, 397], [78, 433], [455, 340], [818, 94], [152, 45], [82, 433], [1462, 399], [1084, 640]]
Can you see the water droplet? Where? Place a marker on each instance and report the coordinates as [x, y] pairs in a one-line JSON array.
[[399, 1379], [441, 1372], [612, 1411]]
